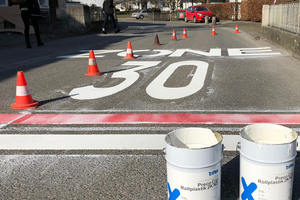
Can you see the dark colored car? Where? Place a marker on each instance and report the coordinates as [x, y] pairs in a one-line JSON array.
[[197, 14]]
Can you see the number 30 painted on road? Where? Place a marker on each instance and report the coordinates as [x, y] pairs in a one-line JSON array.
[[155, 89]]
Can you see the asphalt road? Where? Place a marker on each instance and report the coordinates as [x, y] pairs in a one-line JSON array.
[[228, 75]]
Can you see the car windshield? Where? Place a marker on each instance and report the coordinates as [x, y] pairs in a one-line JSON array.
[[201, 9]]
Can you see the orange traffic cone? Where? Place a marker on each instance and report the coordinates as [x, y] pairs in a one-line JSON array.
[[156, 41], [184, 34], [129, 54], [174, 35], [213, 32], [23, 97], [236, 29], [93, 67]]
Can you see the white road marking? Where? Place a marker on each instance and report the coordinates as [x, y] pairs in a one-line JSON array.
[[96, 142], [212, 52], [156, 88], [130, 76], [263, 51]]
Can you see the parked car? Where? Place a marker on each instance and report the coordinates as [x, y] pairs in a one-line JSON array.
[[197, 14], [135, 13], [141, 14]]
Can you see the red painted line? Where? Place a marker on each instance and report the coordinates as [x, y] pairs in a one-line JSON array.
[[152, 118], [8, 118]]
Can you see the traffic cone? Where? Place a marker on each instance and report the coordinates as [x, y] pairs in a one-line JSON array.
[[174, 35], [129, 54], [93, 67], [156, 41], [184, 34], [213, 32], [23, 97], [236, 29]]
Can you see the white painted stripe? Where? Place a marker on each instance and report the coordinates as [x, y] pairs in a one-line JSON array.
[[81, 142], [96, 142], [22, 91]]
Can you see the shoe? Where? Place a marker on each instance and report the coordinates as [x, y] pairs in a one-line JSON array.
[[40, 44], [28, 46], [117, 30], [103, 31]]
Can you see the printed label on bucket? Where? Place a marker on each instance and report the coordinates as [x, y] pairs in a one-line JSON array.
[[194, 184], [264, 182]]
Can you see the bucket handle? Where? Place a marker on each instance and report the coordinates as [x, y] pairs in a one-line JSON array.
[[238, 148], [164, 153]]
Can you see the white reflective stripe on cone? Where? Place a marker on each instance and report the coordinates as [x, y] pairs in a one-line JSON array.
[[92, 61], [129, 50], [22, 91]]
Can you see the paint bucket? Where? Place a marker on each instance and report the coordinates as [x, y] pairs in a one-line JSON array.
[[194, 164], [267, 160]]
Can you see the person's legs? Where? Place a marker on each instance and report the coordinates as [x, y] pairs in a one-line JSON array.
[[104, 23], [113, 20], [35, 23], [26, 20], [114, 23]]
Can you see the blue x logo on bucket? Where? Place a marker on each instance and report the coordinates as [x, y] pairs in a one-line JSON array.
[[248, 190], [173, 194]]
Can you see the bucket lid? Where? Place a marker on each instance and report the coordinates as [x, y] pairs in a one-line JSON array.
[[193, 147], [269, 134], [268, 143], [193, 138]]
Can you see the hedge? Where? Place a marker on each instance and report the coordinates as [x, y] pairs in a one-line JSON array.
[[251, 10]]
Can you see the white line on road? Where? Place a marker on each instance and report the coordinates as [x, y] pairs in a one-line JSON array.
[[96, 142]]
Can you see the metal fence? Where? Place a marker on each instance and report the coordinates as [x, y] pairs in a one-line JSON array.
[[285, 16]]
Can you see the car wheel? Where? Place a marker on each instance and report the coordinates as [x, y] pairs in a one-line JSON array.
[[195, 20], [141, 16], [185, 19]]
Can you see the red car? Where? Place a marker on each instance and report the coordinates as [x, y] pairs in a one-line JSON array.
[[197, 14]]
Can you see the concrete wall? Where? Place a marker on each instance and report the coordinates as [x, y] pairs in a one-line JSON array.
[[156, 16], [78, 17], [284, 38]]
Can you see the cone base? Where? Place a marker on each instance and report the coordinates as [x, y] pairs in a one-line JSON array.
[[236, 32], [129, 57], [213, 34], [184, 37], [33, 105], [93, 74], [156, 44]]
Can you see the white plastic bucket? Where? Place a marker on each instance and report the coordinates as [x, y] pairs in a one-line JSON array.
[[267, 162], [194, 164]]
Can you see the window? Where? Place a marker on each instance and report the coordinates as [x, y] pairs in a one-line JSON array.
[[44, 3], [3, 3], [201, 9]]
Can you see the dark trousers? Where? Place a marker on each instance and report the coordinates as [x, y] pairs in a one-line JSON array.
[[106, 19], [27, 18]]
